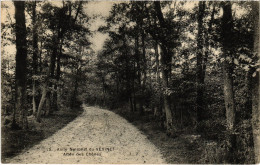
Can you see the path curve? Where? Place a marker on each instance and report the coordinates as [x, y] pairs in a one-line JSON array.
[[96, 136]]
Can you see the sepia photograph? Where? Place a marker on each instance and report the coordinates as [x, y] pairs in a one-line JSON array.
[[130, 82]]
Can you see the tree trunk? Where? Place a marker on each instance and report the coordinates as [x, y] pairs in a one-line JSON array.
[[157, 62], [133, 86], [48, 104], [131, 103], [134, 97], [74, 95], [144, 73], [158, 109], [227, 68], [249, 87], [45, 91], [40, 57], [33, 99], [55, 43], [166, 97], [256, 87], [42, 101], [35, 56], [58, 73], [21, 62], [199, 76], [137, 56], [165, 63]]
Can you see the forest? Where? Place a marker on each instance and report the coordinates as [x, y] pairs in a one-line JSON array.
[[180, 67]]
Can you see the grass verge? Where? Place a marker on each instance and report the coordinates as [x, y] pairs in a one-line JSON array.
[[186, 147]]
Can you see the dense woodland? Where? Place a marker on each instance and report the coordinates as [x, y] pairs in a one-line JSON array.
[[193, 66]]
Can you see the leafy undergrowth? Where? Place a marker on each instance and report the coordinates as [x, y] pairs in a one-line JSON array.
[[15, 141], [184, 148], [187, 146]]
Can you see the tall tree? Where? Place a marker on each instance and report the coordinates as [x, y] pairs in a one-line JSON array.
[[144, 61], [227, 64], [256, 86], [199, 74], [21, 61], [165, 63], [227, 67], [203, 51], [35, 55]]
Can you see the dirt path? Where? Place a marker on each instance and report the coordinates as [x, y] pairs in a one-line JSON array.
[[96, 136]]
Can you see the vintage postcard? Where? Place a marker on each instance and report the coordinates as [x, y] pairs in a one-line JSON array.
[[130, 82]]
